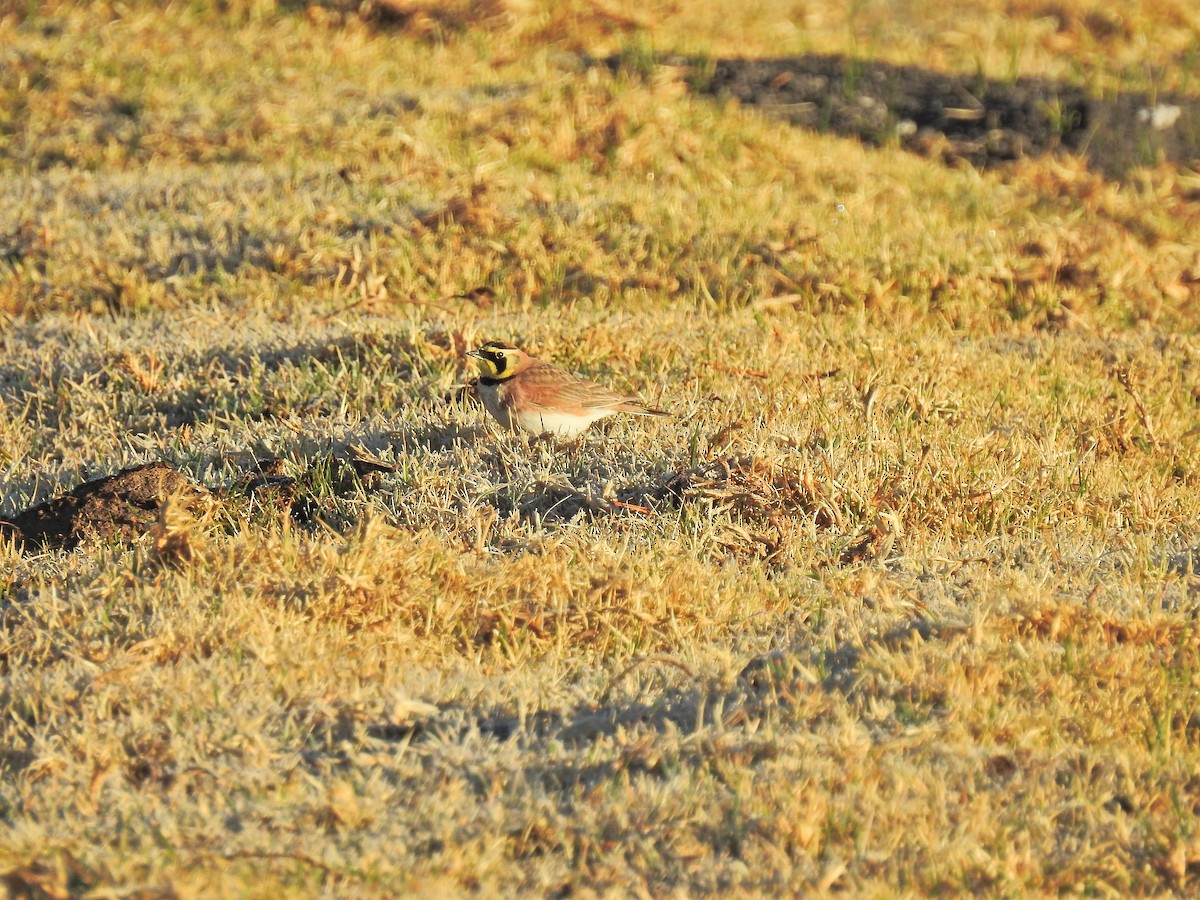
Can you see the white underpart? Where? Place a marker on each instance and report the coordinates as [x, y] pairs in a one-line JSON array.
[[539, 422], [560, 425]]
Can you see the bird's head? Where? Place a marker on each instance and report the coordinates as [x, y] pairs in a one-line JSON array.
[[499, 360]]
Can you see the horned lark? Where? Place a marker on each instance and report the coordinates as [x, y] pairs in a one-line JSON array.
[[525, 393]]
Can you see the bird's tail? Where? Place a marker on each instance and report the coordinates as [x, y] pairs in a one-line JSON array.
[[641, 409]]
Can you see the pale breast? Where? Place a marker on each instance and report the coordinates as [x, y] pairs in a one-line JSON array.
[[566, 426]]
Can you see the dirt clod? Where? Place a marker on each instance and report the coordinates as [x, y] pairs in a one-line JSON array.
[[120, 507]]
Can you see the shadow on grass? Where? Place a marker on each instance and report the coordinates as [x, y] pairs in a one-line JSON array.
[[222, 382], [208, 398], [770, 687]]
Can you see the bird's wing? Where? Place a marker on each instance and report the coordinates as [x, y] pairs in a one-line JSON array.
[[548, 386]]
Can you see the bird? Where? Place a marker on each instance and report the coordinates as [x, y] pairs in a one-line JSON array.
[[531, 395]]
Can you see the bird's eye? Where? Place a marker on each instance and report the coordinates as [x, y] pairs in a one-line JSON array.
[[499, 360]]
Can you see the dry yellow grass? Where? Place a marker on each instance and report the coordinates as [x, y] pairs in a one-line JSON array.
[[902, 602]]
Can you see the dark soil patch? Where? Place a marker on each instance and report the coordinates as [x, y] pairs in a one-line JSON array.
[[119, 507], [958, 117]]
